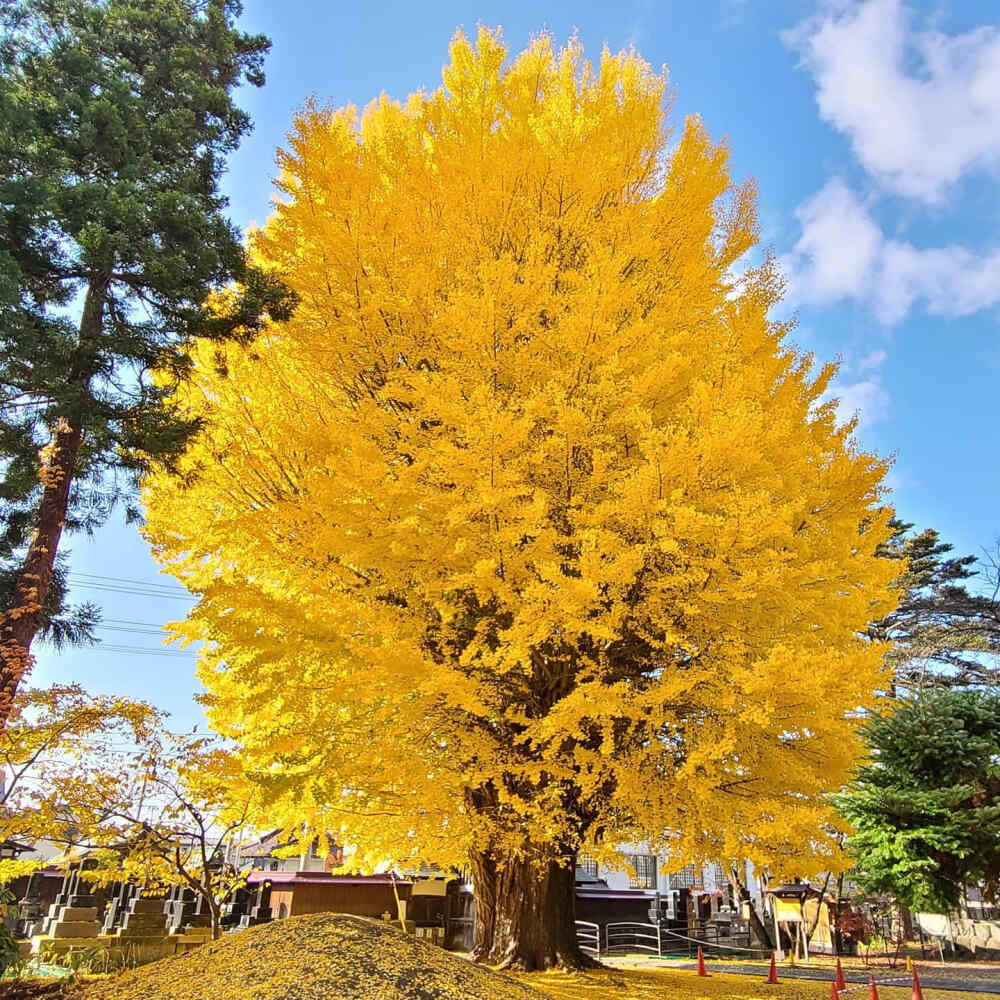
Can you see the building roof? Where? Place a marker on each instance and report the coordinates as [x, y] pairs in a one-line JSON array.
[[15, 846], [796, 890], [264, 845]]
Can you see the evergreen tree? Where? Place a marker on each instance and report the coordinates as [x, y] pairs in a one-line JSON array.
[[926, 802], [115, 120], [943, 633]]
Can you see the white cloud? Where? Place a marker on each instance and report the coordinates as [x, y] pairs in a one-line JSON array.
[[952, 281], [843, 254], [837, 251], [921, 108], [867, 399], [872, 360]]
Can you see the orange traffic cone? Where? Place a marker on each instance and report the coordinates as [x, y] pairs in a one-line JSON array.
[[872, 989], [841, 982], [772, 975], [917, 993], [834, 992], [701, 963]]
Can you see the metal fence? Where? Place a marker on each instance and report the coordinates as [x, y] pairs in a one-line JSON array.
[[674, 943], [588, 936], [654, 939], [630, 936]]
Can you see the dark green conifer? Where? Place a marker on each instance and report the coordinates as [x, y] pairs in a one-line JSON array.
[[116, 117], [946, 630]]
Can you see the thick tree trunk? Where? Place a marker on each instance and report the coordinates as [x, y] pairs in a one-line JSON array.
[[526, 913], [484, 881], [20, 623]]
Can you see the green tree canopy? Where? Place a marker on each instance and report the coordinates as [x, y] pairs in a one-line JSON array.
[[115, 121], [926, 801]]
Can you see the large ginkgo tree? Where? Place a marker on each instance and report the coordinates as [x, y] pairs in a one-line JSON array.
[[529, 532]]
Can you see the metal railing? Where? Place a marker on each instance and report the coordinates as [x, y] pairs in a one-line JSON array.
[[632, 936], [675, 941], [588, 936]]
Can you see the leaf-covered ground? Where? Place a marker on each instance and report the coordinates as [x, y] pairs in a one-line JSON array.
[[335, 957], [322, 956], [682, 984]]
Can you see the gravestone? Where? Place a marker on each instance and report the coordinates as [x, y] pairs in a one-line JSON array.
[[144, 918]]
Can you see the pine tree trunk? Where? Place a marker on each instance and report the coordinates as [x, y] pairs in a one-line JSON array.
[[20, 623], [526, 913]]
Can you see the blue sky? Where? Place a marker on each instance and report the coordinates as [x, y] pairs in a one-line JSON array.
[[873, 130]]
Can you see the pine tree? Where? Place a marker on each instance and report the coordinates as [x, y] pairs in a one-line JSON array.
[[926, 802], [115, 120], [943, 633], [528, 534]]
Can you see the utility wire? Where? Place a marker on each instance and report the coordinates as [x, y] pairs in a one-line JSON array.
[[125, 585], [133, 592], [129, 621], [120, 580], [137, 631], [140, 651]]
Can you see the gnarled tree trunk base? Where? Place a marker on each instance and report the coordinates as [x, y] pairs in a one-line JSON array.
[[526, 914]]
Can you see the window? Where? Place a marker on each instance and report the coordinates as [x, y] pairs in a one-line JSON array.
[[274, 866], [644, 866], [713, 877], [685, 878], [587, 864]]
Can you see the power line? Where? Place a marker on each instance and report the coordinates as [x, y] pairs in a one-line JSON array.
[[140, 650], [129, 621], [123, 580], [126, 585], [133, 592], [122, 628]]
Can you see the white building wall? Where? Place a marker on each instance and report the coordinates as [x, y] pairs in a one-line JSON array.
[[710, 878]]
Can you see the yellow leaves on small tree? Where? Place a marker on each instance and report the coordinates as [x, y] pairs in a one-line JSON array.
[[52, 739], [171, 815], [530, 530], [103, 774]]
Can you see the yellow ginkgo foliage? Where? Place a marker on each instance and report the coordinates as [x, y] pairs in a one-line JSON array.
[[529, 532]]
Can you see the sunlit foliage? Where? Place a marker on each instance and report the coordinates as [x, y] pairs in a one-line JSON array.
[[530, 530]]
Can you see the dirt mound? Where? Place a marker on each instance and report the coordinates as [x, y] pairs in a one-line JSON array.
[[322, 956]]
